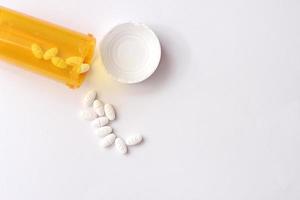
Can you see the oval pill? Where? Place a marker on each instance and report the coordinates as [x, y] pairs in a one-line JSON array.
[[99, 122], [74, 61], [103, 131], [89, 98], [50, 53], [98, 107], [37, 51], [120, 146], [108, 140], [84, 68], [97, 103], [134, 140], [88, 115], [109, 111], [58, 62]]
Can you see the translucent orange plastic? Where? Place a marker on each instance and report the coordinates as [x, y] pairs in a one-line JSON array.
[[19, 31]]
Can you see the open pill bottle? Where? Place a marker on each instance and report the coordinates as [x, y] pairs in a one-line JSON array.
[[18, 32]]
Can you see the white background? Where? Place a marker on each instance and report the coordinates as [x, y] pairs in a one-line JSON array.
[[220, 116]]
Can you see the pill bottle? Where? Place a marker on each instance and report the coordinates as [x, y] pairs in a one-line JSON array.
[[19, 31]]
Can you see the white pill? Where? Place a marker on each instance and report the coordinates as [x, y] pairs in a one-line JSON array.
[[88, 114], [98, 107], [109, 111], [97, 103], [103, 131], [89, 98], [134, 140], [121, 146], [99, 122], [108, 140]]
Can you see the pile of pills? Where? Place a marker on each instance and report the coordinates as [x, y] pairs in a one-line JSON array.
[[52, 55], [100, 115]]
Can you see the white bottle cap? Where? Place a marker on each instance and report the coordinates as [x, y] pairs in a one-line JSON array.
[[130, 52]]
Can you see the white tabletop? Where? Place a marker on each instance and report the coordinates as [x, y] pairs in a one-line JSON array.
[[220, 116]]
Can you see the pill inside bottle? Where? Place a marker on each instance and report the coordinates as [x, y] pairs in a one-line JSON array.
[[24, 40]]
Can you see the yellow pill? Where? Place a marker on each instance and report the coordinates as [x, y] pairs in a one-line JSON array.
[[37, 51], [74, 61], [59, 62], [50, 53], [84, 68]]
